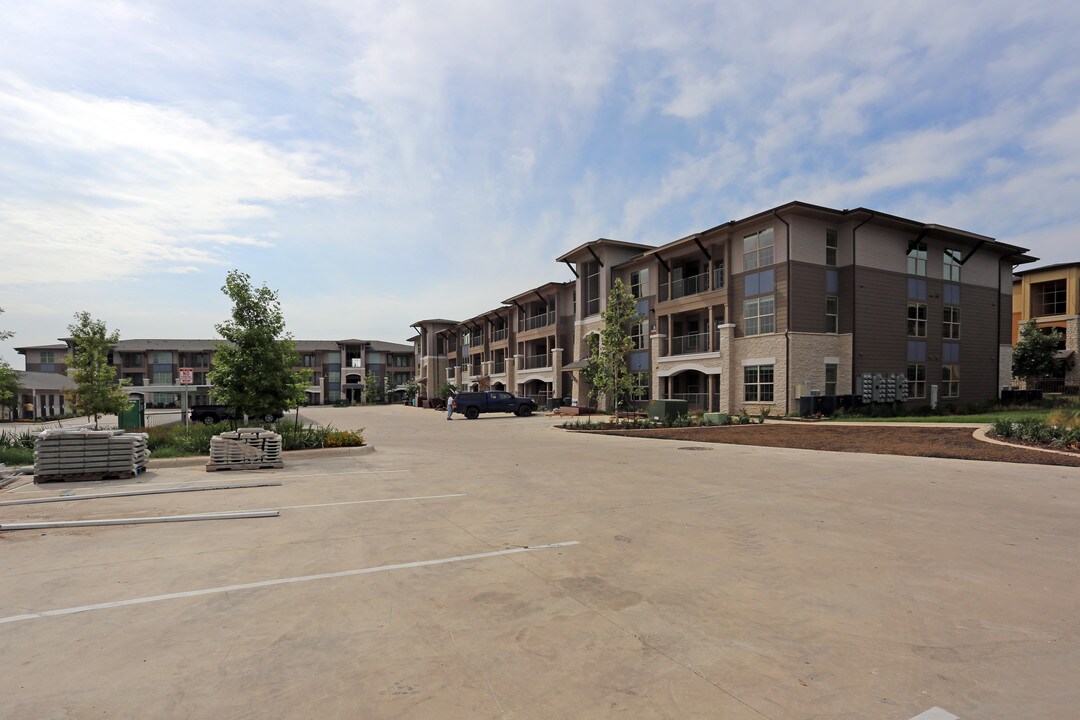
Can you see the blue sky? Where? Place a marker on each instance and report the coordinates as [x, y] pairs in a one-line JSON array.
[[377, 163]]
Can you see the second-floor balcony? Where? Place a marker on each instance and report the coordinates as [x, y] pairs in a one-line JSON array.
[[533, 362], [689, 344], [687, 286], [475, 368], [500, 334], [498, 367], [536, 321], [476, 340]]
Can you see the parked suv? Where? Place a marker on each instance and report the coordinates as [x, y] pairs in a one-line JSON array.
[[471, 404], [211, 414]]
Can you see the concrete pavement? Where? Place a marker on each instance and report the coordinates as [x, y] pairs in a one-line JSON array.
[[716, 582]]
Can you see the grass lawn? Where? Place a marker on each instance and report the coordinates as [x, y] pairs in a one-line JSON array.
[[988, 417]]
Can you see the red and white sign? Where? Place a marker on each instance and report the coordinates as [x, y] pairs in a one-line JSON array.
[[187, 376]]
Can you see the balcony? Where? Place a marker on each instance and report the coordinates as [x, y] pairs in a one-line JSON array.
[[686, 286], [476, 341], [532, 362], [536, 321], [475, 368], [500, 334], [498, 367], [688, 344]]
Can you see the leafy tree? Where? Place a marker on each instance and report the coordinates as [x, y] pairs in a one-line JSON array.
[[371, 387], [446, 390], [98, 391], [1033, 356], [10, 387], [253, 368], [608, 372]]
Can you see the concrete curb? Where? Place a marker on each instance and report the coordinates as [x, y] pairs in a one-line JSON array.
[[289, 454], [980, 434]]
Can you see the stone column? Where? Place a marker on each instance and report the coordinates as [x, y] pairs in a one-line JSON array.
[[656, 342], [725, 346]]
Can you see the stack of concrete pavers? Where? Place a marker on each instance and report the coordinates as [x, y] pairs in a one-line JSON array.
[[83, 454], [245, 449]]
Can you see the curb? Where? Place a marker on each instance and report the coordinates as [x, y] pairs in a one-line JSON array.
[[295, 454], [980, 434]]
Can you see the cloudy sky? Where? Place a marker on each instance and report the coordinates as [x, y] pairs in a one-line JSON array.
[[381, 162]]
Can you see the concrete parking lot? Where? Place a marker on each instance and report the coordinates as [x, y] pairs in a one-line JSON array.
[[502, 568]]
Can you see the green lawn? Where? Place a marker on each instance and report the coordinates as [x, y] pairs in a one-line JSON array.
[[988, 417]]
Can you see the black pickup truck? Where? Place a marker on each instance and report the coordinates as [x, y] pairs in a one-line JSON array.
[[471, 404], [210, 414]]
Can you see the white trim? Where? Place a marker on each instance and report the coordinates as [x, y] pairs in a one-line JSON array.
[[522, 379], [689, 356], [669, 372], [832, 361], [759, 361]]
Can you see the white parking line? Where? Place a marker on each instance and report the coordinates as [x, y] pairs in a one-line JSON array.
[[279, 581], [31, 487], [935, 713]]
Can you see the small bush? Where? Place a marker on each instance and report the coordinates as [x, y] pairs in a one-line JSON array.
[[344, 438], [16, 456], [14, 439], [764, 415], [744, 417], [681, 421]]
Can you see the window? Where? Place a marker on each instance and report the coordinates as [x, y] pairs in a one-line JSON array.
[[163, 357], [759, 316], [162, 378], [916, 381], [950, 323], [951, 268], [1048, 298], [591, 287], [830, 379], [638, 335], [639, 283], [718, 274], [48, 357], [309, 361], [830, 247], [641, 387], [916, 258], [832, 314], [758, 249], [950, 381], [916, 319], [758, 383]]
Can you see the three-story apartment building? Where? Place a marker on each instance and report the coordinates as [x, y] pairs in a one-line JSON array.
[[1051, 296]]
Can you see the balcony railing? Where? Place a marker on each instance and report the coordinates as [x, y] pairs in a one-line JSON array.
[[686, 286], [536, 321], [476, 368], [687, 344], [498, 367], [695, 401], [718, 278], [500, 334], [537, 361], [476, 340], [540, 398]]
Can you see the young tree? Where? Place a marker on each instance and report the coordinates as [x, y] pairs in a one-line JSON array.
[[608, 371], [98, 391], [253, 368], [10, 387], [1033, 356], [371, 387]]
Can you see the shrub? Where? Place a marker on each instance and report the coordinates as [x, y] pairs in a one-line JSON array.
[[764, 415], [14, 439], [744, 417], [344, 438], [1003, 428], [16, 456]]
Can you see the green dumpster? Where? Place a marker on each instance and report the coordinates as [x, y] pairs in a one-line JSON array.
[[134, 417]]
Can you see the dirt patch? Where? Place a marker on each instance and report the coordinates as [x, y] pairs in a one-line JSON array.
[[956, 443]]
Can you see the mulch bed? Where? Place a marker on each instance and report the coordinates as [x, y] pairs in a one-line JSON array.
[[956, 443]]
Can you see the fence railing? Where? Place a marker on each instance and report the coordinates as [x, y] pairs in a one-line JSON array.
[[500, 334], [536, 321], [685, 286], [498, 367], [692, 343], [537, 361]]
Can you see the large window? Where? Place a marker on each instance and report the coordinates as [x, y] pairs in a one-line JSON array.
[[641, 388], [916, 319], [638, 335], [916, 380], [758, 383], [759, 316], [832, 314], [950, 323], [639, 283], [830, 378], [951, 267], [950, 381], [163, 357], [831, 245], [162, 378], [1048, 298], [916, 258], [47, 357], [758, 249], [591, 286]]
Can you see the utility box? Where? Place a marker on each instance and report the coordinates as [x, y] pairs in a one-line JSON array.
[[134, 417], [667, 410]]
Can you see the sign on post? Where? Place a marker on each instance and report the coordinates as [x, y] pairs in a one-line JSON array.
[[187, 376]]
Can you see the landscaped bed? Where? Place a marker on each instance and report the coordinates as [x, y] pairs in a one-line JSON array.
[[941, 442]]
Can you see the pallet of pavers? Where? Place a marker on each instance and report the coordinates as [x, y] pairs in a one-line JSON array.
[[245, 449], [82, 454]]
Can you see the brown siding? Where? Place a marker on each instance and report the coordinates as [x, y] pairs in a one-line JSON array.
[[980, 310], [808, 292], [737, 295], [880, 344]]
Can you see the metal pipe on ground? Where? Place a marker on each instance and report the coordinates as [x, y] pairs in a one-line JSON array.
[[60, 524]]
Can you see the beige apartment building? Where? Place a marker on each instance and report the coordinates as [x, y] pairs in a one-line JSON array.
[[1051, 296], [797, 301]]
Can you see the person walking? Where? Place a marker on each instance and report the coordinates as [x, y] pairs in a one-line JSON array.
[[451, 404]]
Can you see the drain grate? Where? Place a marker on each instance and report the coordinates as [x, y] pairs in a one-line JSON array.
[[694, 448]]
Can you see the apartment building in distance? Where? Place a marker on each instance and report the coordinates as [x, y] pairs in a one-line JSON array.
[[795, 301], [338, 367], [1051, 296]]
